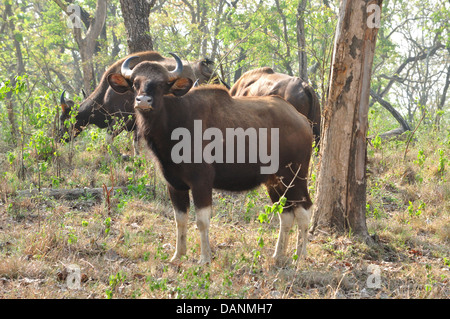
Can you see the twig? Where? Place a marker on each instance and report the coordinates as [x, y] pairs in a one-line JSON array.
[[107, 194], [87, 262], [235, 46]]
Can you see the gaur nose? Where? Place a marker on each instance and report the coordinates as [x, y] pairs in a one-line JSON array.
[[143, 101]]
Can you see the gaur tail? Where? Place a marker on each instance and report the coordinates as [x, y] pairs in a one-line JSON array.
[[312, 114]]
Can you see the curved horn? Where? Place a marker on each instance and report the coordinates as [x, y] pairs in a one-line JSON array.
[[125, 69], [177, 72], [62, 99]]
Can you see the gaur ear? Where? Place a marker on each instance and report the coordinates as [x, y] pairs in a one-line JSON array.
[[65, 108], [118, 83], [180, 87]]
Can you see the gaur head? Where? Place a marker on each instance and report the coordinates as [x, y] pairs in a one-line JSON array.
[[67, 131], [204, 70], [150, 81], [206, 67]]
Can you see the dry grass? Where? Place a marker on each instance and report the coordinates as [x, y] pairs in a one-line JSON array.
[[124, 252]]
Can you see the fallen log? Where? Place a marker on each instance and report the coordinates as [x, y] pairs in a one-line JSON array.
[[394, 133], [71, 194]]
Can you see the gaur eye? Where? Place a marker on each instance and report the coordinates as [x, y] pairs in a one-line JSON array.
[[136, 85]]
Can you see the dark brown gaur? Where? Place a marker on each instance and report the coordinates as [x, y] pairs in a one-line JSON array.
[[165, 103], [265, 82], [105, 108]]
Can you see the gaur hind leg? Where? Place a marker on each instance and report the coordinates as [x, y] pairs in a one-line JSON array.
[[303, 218], [302, 213], [202, 196], [286, 223], [297, 209]]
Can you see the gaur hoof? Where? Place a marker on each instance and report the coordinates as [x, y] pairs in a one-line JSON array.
[[204, 261]]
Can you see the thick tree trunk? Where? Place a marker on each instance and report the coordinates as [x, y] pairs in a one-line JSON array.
[[341, 193], [135, 16]]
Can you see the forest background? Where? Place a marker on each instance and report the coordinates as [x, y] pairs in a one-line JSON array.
[[121, 243]]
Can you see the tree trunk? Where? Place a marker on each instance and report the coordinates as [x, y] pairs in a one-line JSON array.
[[239, 70], [341, 194], [19, 71], [202, 11], [286, 59], [218, 21], [135, 16], [87, 44], [301, 42], [440, 107]]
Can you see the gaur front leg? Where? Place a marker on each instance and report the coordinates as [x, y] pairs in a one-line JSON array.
[[202, 196], [203, 222], [180, 201]]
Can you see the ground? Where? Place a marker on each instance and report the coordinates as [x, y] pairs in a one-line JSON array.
[[120, 245]]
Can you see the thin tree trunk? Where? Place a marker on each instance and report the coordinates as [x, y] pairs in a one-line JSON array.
[[20, 70], [301, 42], [202, 9], [239, 70], [87, 44], [218, 21], [442, 101], [341, 193], [287, 58]]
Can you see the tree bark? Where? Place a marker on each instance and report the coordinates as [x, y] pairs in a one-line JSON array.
[[135, 16], [341, 193], [301, 42]]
